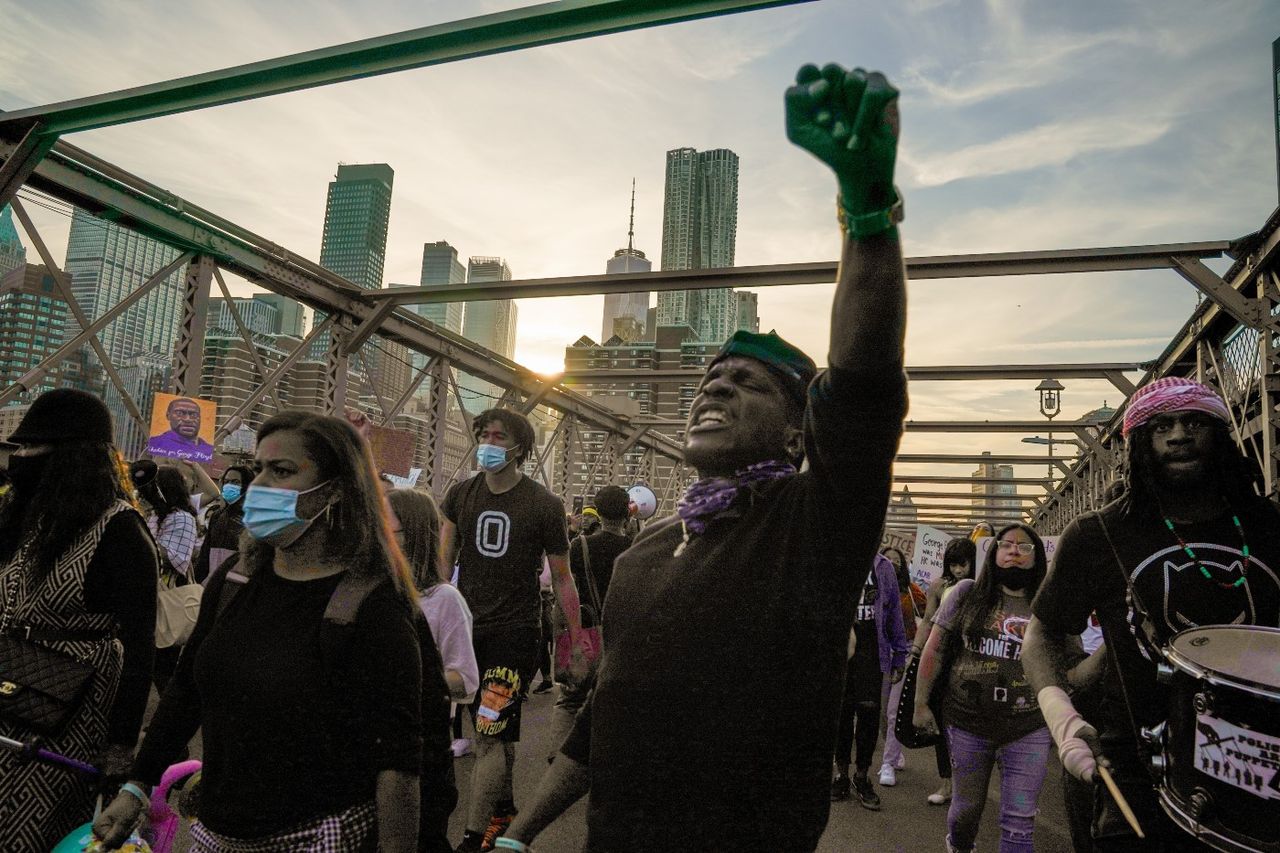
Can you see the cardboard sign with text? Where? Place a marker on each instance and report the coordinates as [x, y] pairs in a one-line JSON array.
[[392, 450], [926, 562]]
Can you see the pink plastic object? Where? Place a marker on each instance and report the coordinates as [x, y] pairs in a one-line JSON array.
[[164, 820], [591, 647]]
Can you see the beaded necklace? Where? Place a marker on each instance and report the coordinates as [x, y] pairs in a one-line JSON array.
[[1235, 519]]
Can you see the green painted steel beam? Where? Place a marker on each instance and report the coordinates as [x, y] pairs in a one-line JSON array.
[[516, 29]]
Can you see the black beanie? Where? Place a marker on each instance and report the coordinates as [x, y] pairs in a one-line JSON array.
[[64, 414]]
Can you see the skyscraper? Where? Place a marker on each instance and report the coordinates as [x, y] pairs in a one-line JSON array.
[[699, 231], [356, 218], [288, 313], [12, 253], [33, 316], [490, 323], [106, 262], [440, 265], [997, 495], [748, 311], [630, 308]]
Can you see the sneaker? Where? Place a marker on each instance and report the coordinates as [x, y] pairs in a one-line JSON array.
[[497, 828], [470, 843], [839, 788], [901, 763], [937, 798], [543, 686], [460, 747], [951, 849], [888, 776], [866, 794]]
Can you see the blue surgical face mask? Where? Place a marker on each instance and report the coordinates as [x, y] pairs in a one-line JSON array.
[[491, 457], [231, 492], [271, 515]]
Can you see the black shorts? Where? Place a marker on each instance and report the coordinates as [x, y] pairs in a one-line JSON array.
[[507, 660]]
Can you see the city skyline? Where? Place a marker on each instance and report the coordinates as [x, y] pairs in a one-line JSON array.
[[1026, 125]]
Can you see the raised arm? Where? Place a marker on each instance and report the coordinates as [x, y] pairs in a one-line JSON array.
[[849, 120]]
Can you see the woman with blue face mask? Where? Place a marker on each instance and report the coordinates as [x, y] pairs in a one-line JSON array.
[[225, 522], [308, 744]]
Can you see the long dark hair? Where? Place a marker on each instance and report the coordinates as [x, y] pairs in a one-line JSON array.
[[985, 593], [1232, 472], [420, 527], [167, 494], [81, 480], [899, 567], [359, 530], [959, 550]]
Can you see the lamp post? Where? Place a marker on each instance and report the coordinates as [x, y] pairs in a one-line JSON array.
[[1050, 406]]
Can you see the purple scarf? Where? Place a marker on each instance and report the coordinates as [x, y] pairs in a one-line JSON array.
[[708, 497]]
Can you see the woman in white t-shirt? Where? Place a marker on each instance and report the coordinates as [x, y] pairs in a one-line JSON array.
[[416, 524]]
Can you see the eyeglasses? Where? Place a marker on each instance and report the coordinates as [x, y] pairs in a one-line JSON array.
[[1026, 549], [1191, 424]]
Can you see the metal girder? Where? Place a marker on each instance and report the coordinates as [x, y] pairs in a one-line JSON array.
[[336, 367], [1249, 311], [79, 178], [189, 361], [408, 393], [537, 396], [367, 327], [438, 406], [961, 480], [367, 375], [532, 26], [1061, 462], [246, 336], [33, 144], [233, 420], [986, 496], [816, 272], [89, 331], [994, 426], [1114, 372]]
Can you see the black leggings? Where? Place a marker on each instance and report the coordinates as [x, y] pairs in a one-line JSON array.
[[943, 756], [859, 718]]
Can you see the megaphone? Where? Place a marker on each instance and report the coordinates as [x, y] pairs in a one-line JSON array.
[[644, 500]]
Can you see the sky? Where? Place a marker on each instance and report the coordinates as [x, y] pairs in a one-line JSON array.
[[1026, 125]]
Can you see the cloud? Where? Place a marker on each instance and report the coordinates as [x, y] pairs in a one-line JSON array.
[[1052, 144]]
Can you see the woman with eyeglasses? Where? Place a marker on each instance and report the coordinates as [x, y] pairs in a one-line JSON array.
[[989, 705]]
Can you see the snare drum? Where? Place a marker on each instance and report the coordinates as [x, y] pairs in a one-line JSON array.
[[1219, 751]]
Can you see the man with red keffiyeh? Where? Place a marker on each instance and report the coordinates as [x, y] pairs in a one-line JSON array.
[[713, 722], [1198, 546]]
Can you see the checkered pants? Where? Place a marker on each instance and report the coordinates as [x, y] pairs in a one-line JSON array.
[[350, 831]]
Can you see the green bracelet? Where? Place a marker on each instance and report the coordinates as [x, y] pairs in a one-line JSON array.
[[863, 225], [136, 792], [511, 844]]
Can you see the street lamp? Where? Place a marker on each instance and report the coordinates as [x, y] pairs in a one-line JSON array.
[[1050, 406]]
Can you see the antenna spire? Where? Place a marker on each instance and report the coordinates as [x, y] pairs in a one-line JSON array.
[[631, 227]]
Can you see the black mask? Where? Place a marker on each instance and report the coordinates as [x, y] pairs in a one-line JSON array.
[[26, 472], [1013, 577]]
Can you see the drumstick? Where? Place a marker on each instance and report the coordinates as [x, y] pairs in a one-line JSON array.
[[1120, 800]]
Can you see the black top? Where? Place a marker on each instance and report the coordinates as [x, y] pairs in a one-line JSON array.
[[713, 723], [225, 526], [604, 549], [292, 736], [121, 580], [502, 539], [1084, 577]]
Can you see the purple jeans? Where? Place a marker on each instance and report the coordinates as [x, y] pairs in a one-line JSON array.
[[1023, 764]]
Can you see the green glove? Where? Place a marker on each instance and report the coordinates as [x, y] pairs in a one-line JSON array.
[[849, 120]]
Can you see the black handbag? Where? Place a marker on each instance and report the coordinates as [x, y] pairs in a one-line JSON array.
[[903, 729], [40, 689]]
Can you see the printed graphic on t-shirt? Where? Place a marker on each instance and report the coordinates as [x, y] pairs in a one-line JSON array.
[[493, 533], [1245, 759], [1238, 591], [867, 603], [499, 698], [994, 676], [1002, 639]]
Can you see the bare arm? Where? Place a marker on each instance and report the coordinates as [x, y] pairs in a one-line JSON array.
[[444, 560], [564, 783], [932, 599], [931, 661], [204, 484], [1048, 656], [397, 802]]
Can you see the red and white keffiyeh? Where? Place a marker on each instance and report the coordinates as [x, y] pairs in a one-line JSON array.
[[1172, 394]]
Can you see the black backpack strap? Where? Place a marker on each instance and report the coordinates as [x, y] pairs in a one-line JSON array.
[[352, 590], [234, 579]]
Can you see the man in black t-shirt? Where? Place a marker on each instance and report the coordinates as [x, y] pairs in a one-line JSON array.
[[501, 524], [599, 549], [712, 725], [1199, 548]]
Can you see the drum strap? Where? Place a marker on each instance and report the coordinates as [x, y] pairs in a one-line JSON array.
[[1144, 623]]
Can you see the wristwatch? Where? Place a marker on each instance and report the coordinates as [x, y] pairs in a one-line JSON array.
[[865, 225]]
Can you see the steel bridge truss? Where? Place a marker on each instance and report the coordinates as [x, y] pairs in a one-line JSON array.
[[1231, 341]]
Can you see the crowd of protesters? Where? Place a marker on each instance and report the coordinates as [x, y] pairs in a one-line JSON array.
[[343, 623]]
